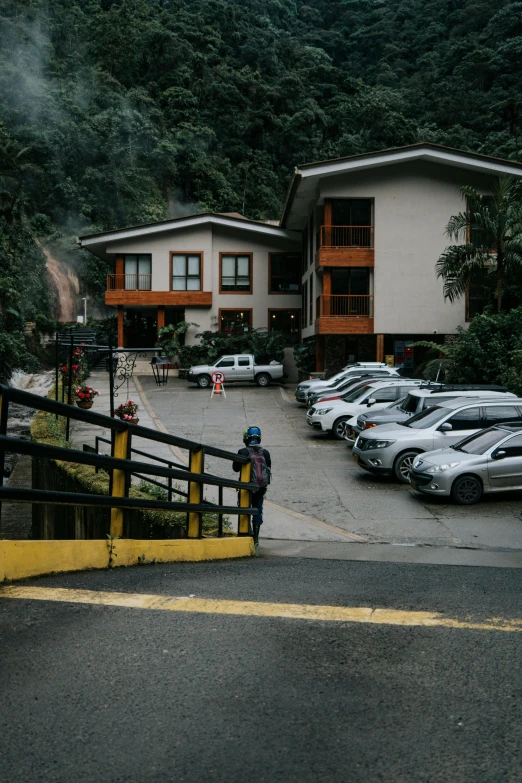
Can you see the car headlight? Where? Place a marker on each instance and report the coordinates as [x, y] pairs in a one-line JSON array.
[[322, 411], [379, 444], [442, 468], [367, 425]]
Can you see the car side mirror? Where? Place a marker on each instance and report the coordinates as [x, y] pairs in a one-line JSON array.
[[371, 401], [500, 454], [446, 427]]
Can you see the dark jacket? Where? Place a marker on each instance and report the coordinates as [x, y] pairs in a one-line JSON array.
[[246, 453]]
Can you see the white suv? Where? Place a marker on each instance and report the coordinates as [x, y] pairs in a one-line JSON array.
[[329, 416]]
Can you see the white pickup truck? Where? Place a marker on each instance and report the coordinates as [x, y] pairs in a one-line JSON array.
[[240, 367]]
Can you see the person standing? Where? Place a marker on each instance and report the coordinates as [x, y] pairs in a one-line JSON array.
[[261, 471]]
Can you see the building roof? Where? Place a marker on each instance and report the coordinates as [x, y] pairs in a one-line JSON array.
[[98, 243], [302, 190]]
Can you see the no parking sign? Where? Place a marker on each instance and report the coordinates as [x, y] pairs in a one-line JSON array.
[[218, 379]]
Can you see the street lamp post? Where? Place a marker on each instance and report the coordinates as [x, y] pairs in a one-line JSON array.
[[84, 300]]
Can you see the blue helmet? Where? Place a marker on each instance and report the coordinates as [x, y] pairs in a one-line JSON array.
[[252, 436]]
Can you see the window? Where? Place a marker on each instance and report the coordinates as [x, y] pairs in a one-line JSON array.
[[512, 447], [311, 239], [186, 271], [243, 361], [502, 414], [351, 212], [384, 395], [286, 321], [305, 303], [284, 271], [235, 321], [311, 317], [236, 273], [138, 272], [225, 363], [468, 419]]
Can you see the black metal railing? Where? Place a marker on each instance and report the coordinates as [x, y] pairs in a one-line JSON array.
[[122, 466]]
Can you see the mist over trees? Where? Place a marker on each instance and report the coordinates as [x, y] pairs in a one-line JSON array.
[[131, 111]]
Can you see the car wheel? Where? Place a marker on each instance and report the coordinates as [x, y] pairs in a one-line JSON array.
[[203, 381], [263, 379], [466, 490], [402, 466], [337, 429]]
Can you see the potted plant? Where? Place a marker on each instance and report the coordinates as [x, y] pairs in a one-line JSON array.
[[127, 412], [169, 338], [85, 396]]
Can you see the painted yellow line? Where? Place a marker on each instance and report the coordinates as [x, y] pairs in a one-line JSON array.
[[338, 614]]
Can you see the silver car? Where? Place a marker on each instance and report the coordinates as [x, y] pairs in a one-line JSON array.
[[489, 461], [391, 449]]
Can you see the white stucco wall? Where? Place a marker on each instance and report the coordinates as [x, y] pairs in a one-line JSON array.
[[211, 241], [413, 203]]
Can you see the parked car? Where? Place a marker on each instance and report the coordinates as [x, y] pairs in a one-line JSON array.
[[330, 416], [391, 449], [302, 389], [418, 399], [347, 385], [238, 367], [488, 461]]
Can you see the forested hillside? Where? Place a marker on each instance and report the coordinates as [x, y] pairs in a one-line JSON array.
[[134, 110]]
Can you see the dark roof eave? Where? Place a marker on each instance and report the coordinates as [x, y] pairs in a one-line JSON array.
[[294, 184]]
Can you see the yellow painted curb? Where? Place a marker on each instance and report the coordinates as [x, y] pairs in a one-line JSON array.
[[21, 559]]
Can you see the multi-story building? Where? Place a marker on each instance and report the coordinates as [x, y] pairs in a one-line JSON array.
[[351, 263]]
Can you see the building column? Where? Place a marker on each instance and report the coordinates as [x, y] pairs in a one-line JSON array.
[[119, 271], [319, 353], [380, 348], [121, 326], [160, 318]]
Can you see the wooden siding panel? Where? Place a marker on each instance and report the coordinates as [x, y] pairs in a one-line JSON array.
[[159, 298], [345, 256], [349, 325]]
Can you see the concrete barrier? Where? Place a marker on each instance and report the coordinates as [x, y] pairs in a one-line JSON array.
[[22, 559]]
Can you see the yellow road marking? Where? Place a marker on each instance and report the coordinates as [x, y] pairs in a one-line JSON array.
[[338, 614]]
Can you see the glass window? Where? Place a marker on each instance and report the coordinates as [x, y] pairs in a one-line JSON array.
[[286, 321], [468, 419], [410, 404], [235, 273], [186, 272], [513, 447], [311, 316], [225, 363], [481, 442], [388, 394], [138, 272], [235, 321], [426, 418], [243, 361], [305, 304], [502, 413], [285, 273]]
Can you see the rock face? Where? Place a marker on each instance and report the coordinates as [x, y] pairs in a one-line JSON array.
[[65, 282]]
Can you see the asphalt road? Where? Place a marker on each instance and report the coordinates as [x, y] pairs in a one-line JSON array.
[[128, 695]]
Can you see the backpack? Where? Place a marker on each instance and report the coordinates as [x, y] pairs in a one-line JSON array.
[[260, 471]]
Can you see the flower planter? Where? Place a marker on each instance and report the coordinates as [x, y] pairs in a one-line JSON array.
[[84, 404], [133, 421]]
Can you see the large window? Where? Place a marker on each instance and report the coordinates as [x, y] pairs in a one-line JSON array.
[[235, 321], [186, 271], [286, 321], [284, 271], [236, 273], [311, 316], [305, 303], [138, 272]]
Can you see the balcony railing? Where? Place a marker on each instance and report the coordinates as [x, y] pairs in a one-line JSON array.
[[129, 282], [344, 306], [345, 236]]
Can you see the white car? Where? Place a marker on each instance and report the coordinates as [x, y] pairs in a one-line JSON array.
[[330, 415], [303, 388]]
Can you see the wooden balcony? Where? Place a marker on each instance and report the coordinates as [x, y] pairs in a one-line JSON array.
[[344, 314], [135, 290], [339, 246]]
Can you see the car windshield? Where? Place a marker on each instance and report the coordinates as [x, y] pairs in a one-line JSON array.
[[396, 404], [426, 418], [355, 394], [481, 442]]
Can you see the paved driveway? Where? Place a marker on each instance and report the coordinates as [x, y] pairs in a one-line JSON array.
[[316, 477]]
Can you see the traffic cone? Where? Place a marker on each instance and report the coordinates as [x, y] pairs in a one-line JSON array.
[[217, 387]]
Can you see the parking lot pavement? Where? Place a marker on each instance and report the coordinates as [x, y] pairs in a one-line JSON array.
[[316, 477]]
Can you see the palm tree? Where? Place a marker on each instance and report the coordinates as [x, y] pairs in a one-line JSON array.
[[490, 232]]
